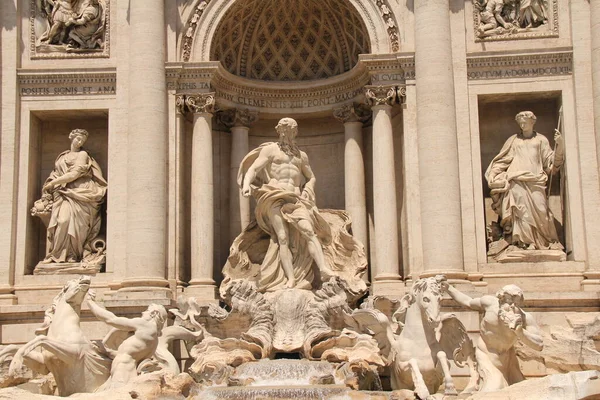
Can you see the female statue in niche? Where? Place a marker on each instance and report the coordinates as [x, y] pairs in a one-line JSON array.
[[71, 197]]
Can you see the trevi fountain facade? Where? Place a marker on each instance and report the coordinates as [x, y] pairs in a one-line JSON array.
[[300, 199]]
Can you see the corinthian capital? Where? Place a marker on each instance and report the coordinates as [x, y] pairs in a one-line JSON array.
[[352, 113], [380, 95], [201, 103], [237, 117], [180, 104]]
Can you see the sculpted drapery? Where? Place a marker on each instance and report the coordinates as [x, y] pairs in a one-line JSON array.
[[517, 177], [77, 189]]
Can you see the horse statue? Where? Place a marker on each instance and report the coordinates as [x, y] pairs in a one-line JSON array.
[[78, 365], [419, 340]]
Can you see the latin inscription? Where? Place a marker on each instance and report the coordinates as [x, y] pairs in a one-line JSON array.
[[304, 103], [68, 90], [521, 72]]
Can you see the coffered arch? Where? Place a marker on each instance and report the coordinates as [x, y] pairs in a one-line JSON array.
[[205, 28]]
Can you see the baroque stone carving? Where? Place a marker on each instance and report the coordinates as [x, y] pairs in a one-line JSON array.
[[71, 27], [294, 232], [352, 113], [130, 342], [517, 177], [237, 117], [381, 95], [410, 344], [76, 363], [392, 28], [70, 209], [515, 19], [503, 324], [201, 103], [191, 27]]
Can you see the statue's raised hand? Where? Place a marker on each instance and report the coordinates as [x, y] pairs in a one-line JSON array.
[[91, 294], [558, 138]]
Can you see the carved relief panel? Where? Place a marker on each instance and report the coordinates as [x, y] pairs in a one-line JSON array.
[[69, 28], [514, 19]]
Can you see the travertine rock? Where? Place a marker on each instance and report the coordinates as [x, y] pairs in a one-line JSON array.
[[571, 386], [568, 349]]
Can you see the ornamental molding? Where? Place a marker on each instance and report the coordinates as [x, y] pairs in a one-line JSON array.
[[60, 53], [548, 29], [390, 23], [190, 29], [203, 103], [519, 66], [67, 83]]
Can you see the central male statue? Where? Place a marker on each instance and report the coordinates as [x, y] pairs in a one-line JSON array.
[[293, 236], [287, 199]]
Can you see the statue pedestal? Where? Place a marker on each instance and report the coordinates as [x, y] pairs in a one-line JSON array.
[[67, 268]]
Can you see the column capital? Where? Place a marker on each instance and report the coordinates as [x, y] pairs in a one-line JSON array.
[[352, 113], [180, 104], [201, 103], [237, 117], [381, 95]]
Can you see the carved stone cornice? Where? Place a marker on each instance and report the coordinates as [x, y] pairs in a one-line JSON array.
[[35, 83], [201, 103], [237, 117], [520, 65], [352, 113], [381, 95]]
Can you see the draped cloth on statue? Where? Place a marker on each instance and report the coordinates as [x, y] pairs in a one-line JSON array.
[[254, 254], [75, 219], [517, 177]]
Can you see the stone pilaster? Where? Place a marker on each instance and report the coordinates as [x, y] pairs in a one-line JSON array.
[[147, 149], [441, 222], [353, 116], [9, 147], [202, 284], [239, 121], [387, 260]]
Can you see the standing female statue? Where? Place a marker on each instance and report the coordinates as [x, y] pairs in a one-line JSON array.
[[72, 195]]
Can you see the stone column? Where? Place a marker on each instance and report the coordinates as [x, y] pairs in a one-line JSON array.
[[147, 148], [353, 116], [595, 35], [384, 187], [441, 222], [239, 121], [202, 284]]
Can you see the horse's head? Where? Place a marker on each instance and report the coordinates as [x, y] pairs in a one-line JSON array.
[[427, 293], [75, 290]]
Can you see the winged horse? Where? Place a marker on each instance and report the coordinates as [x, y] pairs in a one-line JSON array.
[[77, 364], [418, 354]]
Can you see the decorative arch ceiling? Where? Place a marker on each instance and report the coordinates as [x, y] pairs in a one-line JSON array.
[[290, 40]]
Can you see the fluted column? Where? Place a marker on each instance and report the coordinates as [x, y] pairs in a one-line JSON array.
[[352, 116], [147, 148], [239, 121], [438, 150], [202, 284], [387, 259]]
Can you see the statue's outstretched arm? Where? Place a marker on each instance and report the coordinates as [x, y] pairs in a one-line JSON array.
[[261, 162], [111, 319]]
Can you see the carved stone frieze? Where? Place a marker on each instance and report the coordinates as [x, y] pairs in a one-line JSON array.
[[237, 117], [191, 26], [381, 95], [201, 103], [517, 19], [65, 29], [352, 113], [392, 27], [35, 83], [520, 66]]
